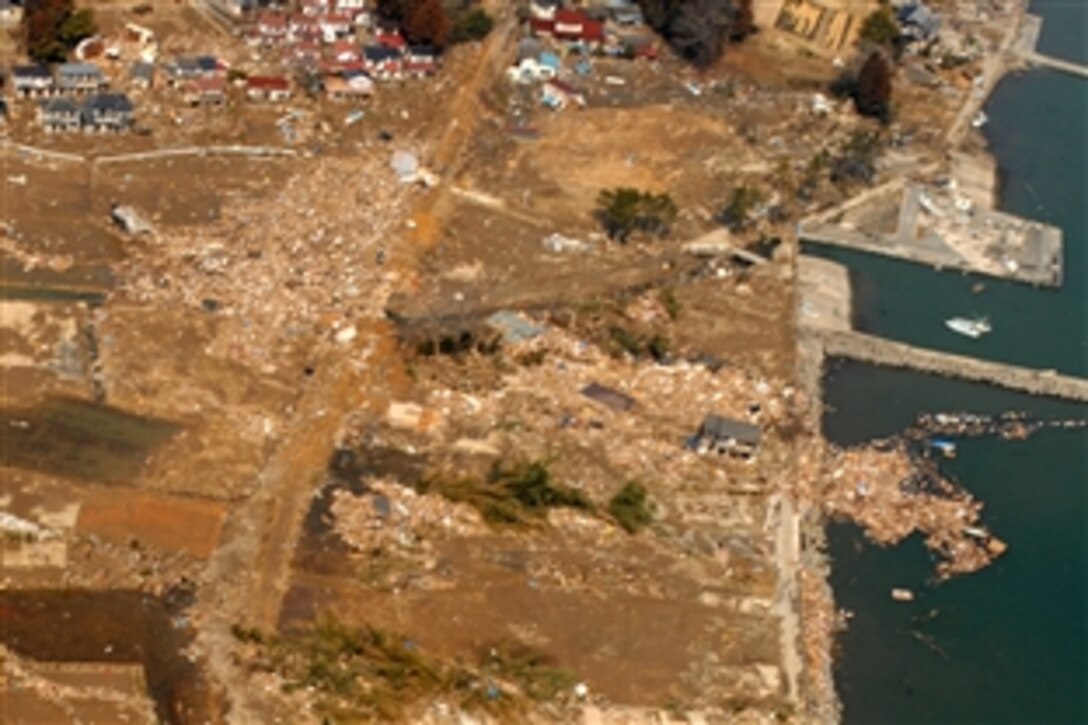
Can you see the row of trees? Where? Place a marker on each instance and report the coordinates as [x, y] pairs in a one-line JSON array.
[[54, 27], [697, 30]]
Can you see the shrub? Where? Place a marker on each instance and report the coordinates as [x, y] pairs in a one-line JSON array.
[[623, 211], [474, 25], [630, 507]]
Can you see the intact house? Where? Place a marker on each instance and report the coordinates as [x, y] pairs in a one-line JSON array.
[[268, 88], [141, 75], [80, 78], [557, 95], [726, 436], [344, 51], [31, 81], [188, 68], [108, 112], [382, 62], [348, 88], [420, 60], [305, 51], [58, 115], [572, 27], [211, 91], [335, 25], [271, 29], [350, 7]]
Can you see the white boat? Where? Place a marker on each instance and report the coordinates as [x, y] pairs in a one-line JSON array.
[[971, 327], [980, 120]]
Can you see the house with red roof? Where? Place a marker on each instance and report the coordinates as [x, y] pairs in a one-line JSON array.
[[335, 25], [268, 88], [272, 28], [570, 26]]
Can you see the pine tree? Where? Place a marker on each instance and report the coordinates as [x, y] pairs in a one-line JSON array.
[[873, 95]]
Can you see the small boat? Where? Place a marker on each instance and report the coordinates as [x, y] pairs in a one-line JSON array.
[[900, 594], [945, 446], [980, 120], [970, 327]]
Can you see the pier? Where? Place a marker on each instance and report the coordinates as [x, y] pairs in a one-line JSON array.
[[889, 353], [1058, 64], [1028, 41]]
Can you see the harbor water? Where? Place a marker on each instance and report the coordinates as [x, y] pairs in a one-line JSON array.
[[1007, 644]]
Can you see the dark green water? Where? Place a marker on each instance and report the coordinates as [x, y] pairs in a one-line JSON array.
[[1007, 644]]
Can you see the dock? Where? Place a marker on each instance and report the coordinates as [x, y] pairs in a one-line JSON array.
[[1065, 66], [944, 228]]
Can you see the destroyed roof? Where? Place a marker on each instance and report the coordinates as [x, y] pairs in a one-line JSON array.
[[607, 396], [514, 327], [715, 426], [142, 70]]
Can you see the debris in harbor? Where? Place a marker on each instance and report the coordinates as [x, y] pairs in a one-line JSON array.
[[1007, 426], [891, 494]]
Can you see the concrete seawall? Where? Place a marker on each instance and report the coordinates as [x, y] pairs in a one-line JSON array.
[[888, 353]]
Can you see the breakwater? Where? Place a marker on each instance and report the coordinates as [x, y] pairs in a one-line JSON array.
[[889, 353]]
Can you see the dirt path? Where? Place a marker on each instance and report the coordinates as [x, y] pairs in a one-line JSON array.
[[249, 574]]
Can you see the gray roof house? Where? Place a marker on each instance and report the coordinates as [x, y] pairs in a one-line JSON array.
[[141, 74], [80, 78], [59, 115], [31, 80], [189, 67], [724, 435], [108, 112]]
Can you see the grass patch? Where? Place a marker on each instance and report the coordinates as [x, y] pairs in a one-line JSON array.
[[515, 495], [533, 672], [631, 508], [670, 303]]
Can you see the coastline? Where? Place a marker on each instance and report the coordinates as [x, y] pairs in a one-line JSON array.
[[820, 618]]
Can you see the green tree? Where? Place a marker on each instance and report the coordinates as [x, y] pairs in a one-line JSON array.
[[873, 95], [473, 25], [427, 23], [736, 214], [77, 27], [631, 508], [624, 211], [880, 28]]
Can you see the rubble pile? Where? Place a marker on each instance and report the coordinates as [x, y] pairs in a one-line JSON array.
[[890, 495], [548, 405], [819, 624], [304, 262], [393, 516]]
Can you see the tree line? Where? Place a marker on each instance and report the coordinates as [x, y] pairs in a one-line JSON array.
[[698, 30], [52, 28]]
